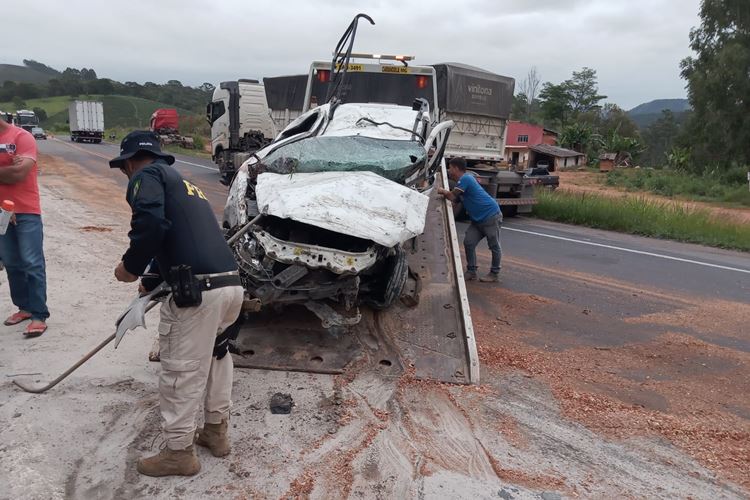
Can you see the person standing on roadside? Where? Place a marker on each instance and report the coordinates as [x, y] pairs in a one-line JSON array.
[[174, 225], [486, 219], [21, 247]]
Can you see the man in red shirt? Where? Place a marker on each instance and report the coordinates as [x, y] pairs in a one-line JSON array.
[[21, 248]]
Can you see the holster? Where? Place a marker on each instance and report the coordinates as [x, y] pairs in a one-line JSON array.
[[186, 290]]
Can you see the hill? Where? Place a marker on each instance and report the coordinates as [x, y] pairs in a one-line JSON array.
[[647, 113], [23, 74], [119, 111], [657, 105]]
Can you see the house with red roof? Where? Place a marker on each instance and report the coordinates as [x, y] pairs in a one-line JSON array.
[[521, 136]]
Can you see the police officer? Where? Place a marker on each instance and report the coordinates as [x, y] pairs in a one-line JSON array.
[[173, 225]]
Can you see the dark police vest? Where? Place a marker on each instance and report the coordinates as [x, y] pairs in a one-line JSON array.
[[173, 223]]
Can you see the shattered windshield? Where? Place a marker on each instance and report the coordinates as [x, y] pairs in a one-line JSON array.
[[395, 160]]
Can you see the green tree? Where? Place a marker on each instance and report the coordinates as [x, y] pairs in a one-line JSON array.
[[718, 84], [88, 75], [583, 90], [578, 137], [8, 91], [518, 108], [612, 117], [27, 90], [660, 138], [555, 104], [40, 113], [71, 73], [55, 88], [42, 68], [570, 99], [101, 86]]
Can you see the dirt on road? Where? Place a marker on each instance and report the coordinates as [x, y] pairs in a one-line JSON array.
[[573, 404]]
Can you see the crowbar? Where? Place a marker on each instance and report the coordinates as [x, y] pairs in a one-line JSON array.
[[133, 317]]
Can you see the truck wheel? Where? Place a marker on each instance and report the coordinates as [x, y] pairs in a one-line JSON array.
[[390, 287], [509, 210]]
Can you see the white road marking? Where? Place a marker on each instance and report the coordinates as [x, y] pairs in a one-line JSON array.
[[196, 165], [629, 250], [108, 158]]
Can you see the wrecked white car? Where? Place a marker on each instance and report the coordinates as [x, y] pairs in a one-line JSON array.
[[324, 211]]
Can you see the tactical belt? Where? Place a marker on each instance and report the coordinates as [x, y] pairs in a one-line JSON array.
[[208, 282]]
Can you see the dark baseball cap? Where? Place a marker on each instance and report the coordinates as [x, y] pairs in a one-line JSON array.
[[139, 140]]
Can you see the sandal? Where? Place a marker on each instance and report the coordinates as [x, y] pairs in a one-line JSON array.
[[16, 318], [35, 329]]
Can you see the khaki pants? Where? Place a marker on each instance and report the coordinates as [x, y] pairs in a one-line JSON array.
[[188, 368]]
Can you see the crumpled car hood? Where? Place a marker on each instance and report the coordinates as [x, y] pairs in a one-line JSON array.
[[361, 204]]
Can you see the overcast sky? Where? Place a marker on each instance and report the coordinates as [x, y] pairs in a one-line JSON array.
[[635, 45]]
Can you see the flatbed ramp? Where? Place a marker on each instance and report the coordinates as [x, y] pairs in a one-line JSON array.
[[434, 338]]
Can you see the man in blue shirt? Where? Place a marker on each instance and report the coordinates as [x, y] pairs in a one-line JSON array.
[[486, 219]]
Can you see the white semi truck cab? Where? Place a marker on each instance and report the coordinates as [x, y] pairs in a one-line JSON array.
[[26, 119], [240, 124]]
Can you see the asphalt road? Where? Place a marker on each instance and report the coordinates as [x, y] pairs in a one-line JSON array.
[[626, 335], [542, 247]]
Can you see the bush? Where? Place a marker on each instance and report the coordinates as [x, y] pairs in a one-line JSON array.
[[712, 184], [661, 185], [736, 175], [40, 113]]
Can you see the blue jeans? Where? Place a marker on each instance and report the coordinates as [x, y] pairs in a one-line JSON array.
[[476, 232], [22, 253]]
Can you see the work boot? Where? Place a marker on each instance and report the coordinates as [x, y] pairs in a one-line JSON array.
[[490, 278], [170, 463], [470, 276], [214, 437]]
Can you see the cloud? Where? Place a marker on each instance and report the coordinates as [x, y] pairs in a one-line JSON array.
[[635, 46]]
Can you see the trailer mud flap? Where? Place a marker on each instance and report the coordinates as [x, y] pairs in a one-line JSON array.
[[429, 332]]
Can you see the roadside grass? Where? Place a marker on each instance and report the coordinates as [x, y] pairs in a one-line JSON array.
[[728, 186], [116, 134], [643, 217], [196, 153], [52, 105], [119, 111]]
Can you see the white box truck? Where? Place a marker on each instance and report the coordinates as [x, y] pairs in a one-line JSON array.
[[86, 119], [479, 102]]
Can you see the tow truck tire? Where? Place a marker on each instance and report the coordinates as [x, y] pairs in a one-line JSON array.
[[397, 271]]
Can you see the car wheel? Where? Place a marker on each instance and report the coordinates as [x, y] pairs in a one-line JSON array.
[[388, 290]]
